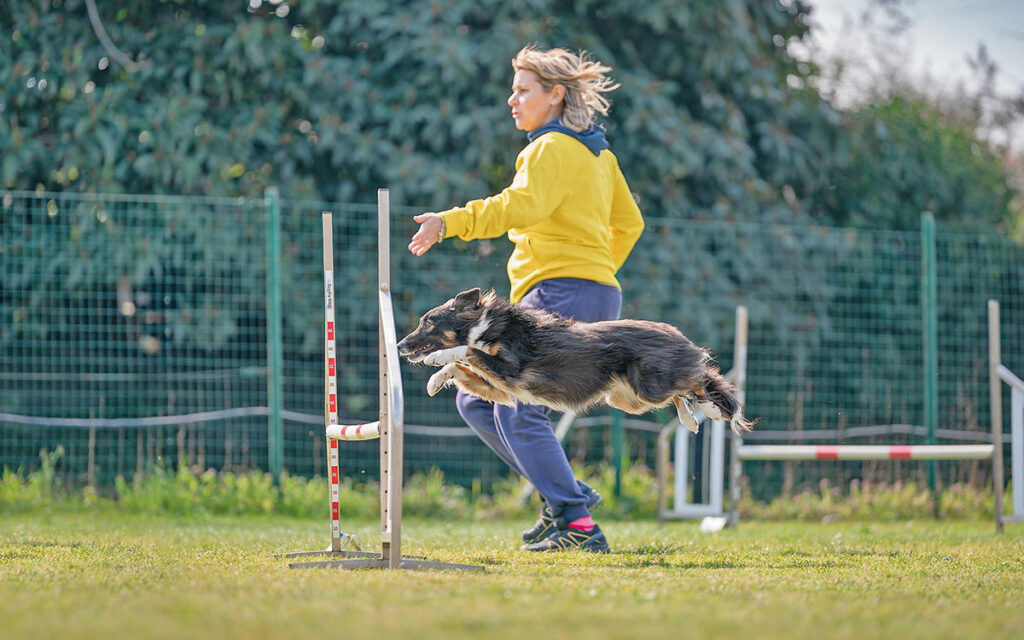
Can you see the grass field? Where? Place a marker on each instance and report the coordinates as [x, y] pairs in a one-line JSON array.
[[113, 575]]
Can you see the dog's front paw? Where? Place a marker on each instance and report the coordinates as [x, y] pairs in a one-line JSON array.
[[444, 356], [440, 380]]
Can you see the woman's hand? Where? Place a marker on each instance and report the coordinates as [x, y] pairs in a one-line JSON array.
[[428, 234]]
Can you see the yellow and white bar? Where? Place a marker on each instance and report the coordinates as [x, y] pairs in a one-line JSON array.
[[349, 432]]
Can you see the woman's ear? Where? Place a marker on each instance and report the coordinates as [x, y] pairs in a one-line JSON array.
[[557, 94]]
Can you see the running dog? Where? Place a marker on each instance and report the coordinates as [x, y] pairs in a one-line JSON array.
[[490, 348]]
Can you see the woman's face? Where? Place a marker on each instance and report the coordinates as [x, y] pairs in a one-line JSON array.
[[532, 106]]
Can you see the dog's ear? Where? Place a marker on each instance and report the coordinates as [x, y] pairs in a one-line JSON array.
[[467, 300]]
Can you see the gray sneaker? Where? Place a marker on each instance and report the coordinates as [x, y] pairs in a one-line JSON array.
[[547, 524], [592, 540]]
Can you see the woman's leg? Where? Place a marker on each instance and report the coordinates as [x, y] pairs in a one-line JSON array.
[[526, 428], [479, 415]]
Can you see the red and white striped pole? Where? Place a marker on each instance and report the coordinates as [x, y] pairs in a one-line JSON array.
[[865, 452], [330, 377]]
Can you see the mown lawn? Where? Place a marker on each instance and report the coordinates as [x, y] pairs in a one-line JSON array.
[[110, 575]]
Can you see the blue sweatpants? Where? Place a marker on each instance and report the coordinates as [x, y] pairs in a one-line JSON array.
[[522, 435]]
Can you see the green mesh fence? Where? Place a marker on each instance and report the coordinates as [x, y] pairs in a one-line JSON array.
[[123, 307], [133, 332]]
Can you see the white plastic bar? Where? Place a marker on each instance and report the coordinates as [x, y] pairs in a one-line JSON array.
[[716, 466], [396, 405], [685, 511], [739, 378], [865, 452], [682, 468], [351, 432], [1017, 451], [995, 403], [392, 406], [1007, 376]]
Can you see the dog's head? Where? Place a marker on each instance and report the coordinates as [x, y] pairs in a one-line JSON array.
[[445, 326]]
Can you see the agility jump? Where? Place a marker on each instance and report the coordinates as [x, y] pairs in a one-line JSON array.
[[346, 552], [715, 476]]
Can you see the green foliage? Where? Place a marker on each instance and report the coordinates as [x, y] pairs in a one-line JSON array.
[[210, 493], [910, 156], [161, 492], [34, 491], [427, 494], [639, 491], [867, 501]]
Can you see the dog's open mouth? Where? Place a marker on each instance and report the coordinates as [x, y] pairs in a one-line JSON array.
[[417, 355]]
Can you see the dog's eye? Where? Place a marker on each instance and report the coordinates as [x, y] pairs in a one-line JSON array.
[[428, 325]]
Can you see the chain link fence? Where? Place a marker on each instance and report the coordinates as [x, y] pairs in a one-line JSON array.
[[133, 332]]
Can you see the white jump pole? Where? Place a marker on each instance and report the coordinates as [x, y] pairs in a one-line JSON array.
[[330, 378], [340, 541], [392, 403]]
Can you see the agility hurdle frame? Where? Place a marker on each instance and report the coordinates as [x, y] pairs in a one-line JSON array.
[[389, 428], [997, 375], [683, 508]]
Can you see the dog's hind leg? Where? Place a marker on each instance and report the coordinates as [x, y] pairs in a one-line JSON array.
[[652, 382], [723, 395], [710, 409], [685, 413]]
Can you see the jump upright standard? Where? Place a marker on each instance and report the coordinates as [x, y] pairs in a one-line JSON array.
[[714, 477], [345, 551]]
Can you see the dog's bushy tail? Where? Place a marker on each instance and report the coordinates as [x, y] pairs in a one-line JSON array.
[[723, 395]]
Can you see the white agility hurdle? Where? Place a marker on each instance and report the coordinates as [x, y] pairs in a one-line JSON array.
[[997, 375], [389, 429], [684, 508]]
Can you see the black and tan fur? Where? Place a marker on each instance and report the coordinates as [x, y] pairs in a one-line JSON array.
[[501, 352]]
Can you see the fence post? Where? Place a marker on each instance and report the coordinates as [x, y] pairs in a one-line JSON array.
[[275, 368], [929, 326]]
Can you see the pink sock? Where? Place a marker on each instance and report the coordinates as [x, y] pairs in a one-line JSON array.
[[585, 523]]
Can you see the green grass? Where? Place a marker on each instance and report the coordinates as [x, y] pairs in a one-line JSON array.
[[116, 575]]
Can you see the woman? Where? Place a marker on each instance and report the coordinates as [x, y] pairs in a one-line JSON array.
[[574, 221]]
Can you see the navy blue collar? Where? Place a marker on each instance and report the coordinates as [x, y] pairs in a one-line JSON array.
[[592, 137]]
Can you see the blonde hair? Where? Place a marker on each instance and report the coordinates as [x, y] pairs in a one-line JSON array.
[[585, 81]]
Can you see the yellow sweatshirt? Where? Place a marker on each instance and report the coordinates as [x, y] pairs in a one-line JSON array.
[[570, 214]]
